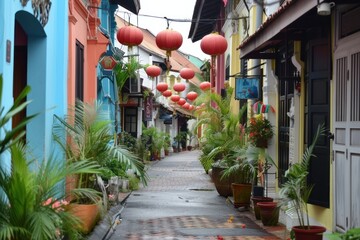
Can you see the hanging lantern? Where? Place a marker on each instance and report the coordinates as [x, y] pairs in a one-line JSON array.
[[130, 36], [167, 93], [191, 96], [186, 105], [205, 86], [169, 40], [213, 44], [161, 87], [181, 101], [175, 98], [153, 71], [191, 107], [179, 87], [187, 73]]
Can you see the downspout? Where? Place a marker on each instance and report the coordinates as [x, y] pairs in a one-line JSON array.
[[258, 22]]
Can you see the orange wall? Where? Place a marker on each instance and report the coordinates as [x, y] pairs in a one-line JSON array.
[[83, 27]]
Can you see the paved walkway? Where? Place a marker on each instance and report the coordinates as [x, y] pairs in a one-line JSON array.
[[180, 202]]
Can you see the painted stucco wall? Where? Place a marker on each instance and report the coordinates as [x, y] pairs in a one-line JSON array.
[[83, 23], [47, 67]]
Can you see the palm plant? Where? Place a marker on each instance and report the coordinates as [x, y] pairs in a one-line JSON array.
[[12, 136], [223, 133], [32, 194], [85, 135], [296, 190]]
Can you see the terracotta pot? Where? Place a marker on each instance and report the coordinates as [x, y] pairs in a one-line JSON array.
[[269, 213], [241, 194], [314, 233], [222, 185], [88, 214], [256, 200]]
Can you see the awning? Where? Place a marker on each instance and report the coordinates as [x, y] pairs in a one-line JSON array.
[[289, 22], [271, 32], [131, 5], [204, 18]]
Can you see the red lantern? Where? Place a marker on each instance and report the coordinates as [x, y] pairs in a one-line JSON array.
[[187, 73], [191, 107], [169, 40], [179, 87], [191, 96], [186, 105], [205, 86], [181, 101], [130, 36], [161, 87], [167, 93], [153, 71], [213, 44], [175, 98]]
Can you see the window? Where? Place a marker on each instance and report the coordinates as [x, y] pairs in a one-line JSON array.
[[79, 74], [349, 21], [130, 123]]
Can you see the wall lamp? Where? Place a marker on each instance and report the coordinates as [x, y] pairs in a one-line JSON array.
[[324, 8]]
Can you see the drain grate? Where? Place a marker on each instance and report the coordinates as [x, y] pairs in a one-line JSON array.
[[201, 189]]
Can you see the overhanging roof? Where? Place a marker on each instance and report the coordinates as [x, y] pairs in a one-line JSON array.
[[289, 22], [267, 35], [131, 5], [204, 18]]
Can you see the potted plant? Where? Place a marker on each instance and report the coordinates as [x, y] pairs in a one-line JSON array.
[[259, 161], [296, 192], [85, 134], [223, 133], [33, 199], [260, 131], [243, 176]]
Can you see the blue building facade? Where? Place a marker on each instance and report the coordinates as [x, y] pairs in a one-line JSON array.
[[34, 52]]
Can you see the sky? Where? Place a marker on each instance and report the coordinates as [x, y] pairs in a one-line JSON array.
[[152, 17]]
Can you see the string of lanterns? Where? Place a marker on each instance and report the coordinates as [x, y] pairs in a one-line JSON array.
[[169, 40]]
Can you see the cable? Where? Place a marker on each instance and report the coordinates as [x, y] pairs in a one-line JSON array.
[[184, 20]]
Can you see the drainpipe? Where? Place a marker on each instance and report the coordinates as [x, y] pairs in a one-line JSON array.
[[258, 22]]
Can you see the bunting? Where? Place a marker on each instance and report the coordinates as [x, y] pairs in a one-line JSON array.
[[259, 107]]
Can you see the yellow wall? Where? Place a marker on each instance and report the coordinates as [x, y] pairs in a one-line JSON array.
[[234, 68]]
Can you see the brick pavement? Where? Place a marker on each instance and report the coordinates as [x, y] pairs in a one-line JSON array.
[[180, 202]]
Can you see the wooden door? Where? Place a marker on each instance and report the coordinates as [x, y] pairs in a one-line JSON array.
[[346, 144], [318, 112]]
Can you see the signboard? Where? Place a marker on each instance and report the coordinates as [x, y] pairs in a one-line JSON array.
[[108, 63], [148, 108], [246, 88]]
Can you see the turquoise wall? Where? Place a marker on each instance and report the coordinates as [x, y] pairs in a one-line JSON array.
[[46, 69]]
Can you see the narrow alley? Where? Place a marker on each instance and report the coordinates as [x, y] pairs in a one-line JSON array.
[[180, 202]]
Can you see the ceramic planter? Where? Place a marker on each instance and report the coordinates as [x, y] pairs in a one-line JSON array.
[[222, 185], [255, 201], [241, 194], [314, 233], [269, 213], [88, 214]]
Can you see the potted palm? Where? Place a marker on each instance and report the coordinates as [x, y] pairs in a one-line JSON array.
[[223, 134], [244, 174], [259, 161], [296, 193], [85, 135]]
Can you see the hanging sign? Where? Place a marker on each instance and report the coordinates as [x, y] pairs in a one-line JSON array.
[[246, 88], [148, 108]]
